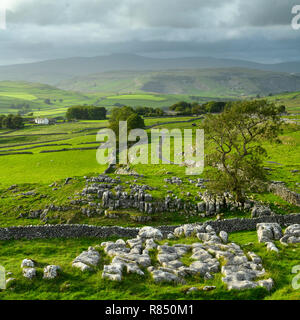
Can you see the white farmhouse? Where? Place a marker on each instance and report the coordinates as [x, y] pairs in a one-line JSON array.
[[41, 121]]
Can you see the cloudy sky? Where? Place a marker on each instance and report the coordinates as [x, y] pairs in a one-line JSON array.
[[257, 30]]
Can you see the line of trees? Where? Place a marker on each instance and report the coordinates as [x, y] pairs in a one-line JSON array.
[[86, 113], [186, 108], [11, 121], [149, 112]]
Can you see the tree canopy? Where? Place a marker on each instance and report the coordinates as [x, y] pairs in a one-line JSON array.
[[186, 108], [86, 113], [235, 140], [11, 121], [134, 121], [149, 112]]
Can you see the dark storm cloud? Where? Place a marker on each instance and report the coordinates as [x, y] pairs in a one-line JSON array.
[[43, 29], [265, 12], [153, 13]]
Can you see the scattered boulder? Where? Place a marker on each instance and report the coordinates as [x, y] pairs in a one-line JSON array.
[[209, 288], [271, 247], [51, 272], [291, 234], [223, 236], [29, 273], [267, 284], [27, 263], [242, 285], [150, 233], [87, 259], [82, 266], [164, 276], [191, 290], [260, 211], [267, 232]]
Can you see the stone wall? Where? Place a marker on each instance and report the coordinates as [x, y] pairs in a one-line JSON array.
[[286, 194], [82, 231]]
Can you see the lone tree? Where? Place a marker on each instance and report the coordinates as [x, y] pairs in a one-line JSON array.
[[237, 155]]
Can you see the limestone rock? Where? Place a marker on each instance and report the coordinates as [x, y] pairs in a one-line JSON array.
[[87, 259], [260, 211], [209, 288], [267, 232], [191, 290], [150, 233], [163, 276], [27, 263], [268, 284], [223, 236], [29, 273], [242, 285], [291, 234], [271, 247], [51, 271], [82, 266]]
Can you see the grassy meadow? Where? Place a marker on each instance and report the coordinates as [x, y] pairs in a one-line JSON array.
[[291, 100], [38, 170], [44, 174]]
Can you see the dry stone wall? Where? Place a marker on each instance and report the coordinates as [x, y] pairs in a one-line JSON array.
[[81, 231]]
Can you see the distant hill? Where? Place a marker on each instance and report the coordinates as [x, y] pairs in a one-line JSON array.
[[54, 71], [229, 82]]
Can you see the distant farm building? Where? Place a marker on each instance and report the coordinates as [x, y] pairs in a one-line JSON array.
[[42, 121]]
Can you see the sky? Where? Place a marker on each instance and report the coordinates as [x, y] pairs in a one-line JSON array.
[[256, 30]]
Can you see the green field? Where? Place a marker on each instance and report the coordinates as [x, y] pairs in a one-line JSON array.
[[17, 95], [36, 171], [35, 94], [40, 172], [290, 100], [136, 97]]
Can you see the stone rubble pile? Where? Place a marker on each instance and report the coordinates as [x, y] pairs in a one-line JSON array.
[[112, 197], [268, 232], [29, 270], [103, 193], [291, 234], [240, 270]]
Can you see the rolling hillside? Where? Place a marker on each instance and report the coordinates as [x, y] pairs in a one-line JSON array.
[[291, 100], [152, 89], [232, 82], [13, 95], [54, 71], [34, 95]]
